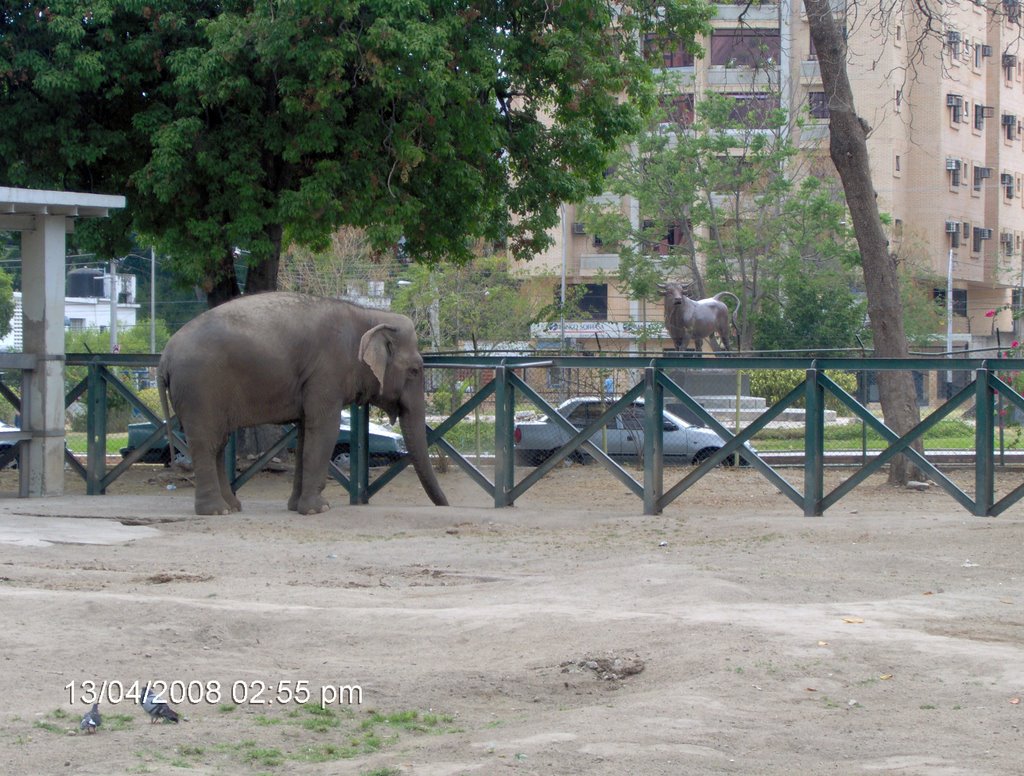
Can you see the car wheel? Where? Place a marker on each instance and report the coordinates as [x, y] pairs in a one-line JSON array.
[[341, 458], [702, 455]]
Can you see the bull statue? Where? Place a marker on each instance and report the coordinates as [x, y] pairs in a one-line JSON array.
[[697, 319]]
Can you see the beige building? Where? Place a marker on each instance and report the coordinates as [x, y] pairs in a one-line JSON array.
[[946, 144]]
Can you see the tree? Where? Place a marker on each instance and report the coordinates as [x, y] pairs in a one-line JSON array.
[[241, 124], [6, 297], [721, 206], [848, 150], [481, 302]]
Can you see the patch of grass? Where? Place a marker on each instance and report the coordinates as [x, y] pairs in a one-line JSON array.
[[411, 720], [59, 714], [320, 719], [117, 721], [226, 708], [190, 750], [383, 772], [264, 721], [268, 757], [50, 727]]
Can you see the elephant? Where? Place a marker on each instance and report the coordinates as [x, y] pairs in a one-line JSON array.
[[280, 357]]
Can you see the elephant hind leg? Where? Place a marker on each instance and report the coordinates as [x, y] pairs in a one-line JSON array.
[[208, 464]]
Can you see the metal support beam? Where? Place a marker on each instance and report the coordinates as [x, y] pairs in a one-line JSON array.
[[654, 429], [984, 472], [504, 427], [814, 444], [96, 431]]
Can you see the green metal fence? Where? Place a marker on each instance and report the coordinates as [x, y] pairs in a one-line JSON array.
[[503, 385]]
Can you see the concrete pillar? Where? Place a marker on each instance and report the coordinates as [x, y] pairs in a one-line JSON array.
[[43, 309]]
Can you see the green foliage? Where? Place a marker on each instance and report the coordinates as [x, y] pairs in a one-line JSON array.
[[256, 124], [480, 302], [6, 301], [817, 313], [774, 384], [723, 190]]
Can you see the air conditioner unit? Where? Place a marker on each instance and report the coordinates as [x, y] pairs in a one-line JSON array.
[[952, 227], [983, 172], [986, 51], [1005, 179], [988, 111], [1006, 238], [952, 37], [1008, 120], [952, 164], [952, 100], [1009, 60], [579, 228], [982, 234]]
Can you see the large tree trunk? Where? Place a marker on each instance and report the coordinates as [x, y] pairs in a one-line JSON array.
[[224, 286], [848, 149]]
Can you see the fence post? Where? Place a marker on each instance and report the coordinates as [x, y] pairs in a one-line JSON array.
[[814, 443], [359, 454], [96, 430], [654, 428], [984, 471], [504, 427]]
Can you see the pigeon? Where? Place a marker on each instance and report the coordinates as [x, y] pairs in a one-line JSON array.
[[156, 708], [92, 719]]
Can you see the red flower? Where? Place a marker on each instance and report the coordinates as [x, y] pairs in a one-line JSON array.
[[1014, 344], [990, 314]]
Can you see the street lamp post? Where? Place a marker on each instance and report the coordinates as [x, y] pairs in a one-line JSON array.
[[949, 322], [152, 299], [113, 305]]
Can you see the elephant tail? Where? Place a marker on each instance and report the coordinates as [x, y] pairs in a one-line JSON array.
[[163, 384]]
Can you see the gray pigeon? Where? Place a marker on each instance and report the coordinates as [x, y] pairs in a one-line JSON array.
[[92, 719], [156, 708]]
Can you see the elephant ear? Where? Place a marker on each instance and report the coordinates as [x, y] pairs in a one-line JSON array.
[[375, 350]]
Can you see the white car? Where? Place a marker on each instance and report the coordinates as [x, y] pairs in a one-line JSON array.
[[623, 436]]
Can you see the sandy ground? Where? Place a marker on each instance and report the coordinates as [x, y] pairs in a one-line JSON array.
[[570, 634]]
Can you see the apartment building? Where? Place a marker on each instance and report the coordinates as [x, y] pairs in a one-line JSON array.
[[947, 149]]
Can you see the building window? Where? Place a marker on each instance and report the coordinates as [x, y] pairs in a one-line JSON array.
[[670, 54], [679, 109], [818, 105], [896, 164], [745, 48], [959, 300], [954, 166], [980, 235], [754, 110], [980, 174], [594, 301], [1009, 122], [955, 103], [898, 100]]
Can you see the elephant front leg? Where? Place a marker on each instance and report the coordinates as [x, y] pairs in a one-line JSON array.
[[312, 454]]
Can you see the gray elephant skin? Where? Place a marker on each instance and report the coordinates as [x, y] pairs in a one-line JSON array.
[[280, 357]]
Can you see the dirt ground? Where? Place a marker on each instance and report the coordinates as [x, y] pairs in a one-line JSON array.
[[569, 634]]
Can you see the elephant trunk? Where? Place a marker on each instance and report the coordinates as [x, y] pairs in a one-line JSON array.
[[414, 429]]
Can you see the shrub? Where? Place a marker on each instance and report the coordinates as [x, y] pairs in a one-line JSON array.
[[774, 384]]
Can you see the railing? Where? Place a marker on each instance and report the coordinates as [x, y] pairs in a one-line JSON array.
[[505, 385]]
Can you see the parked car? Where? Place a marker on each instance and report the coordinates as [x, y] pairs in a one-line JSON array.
[[6, 445], [683, 443], [386, 446]]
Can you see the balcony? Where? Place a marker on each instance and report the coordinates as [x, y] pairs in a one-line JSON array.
[[766, 12], [810, 72], [592, 263], [719, 75]]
